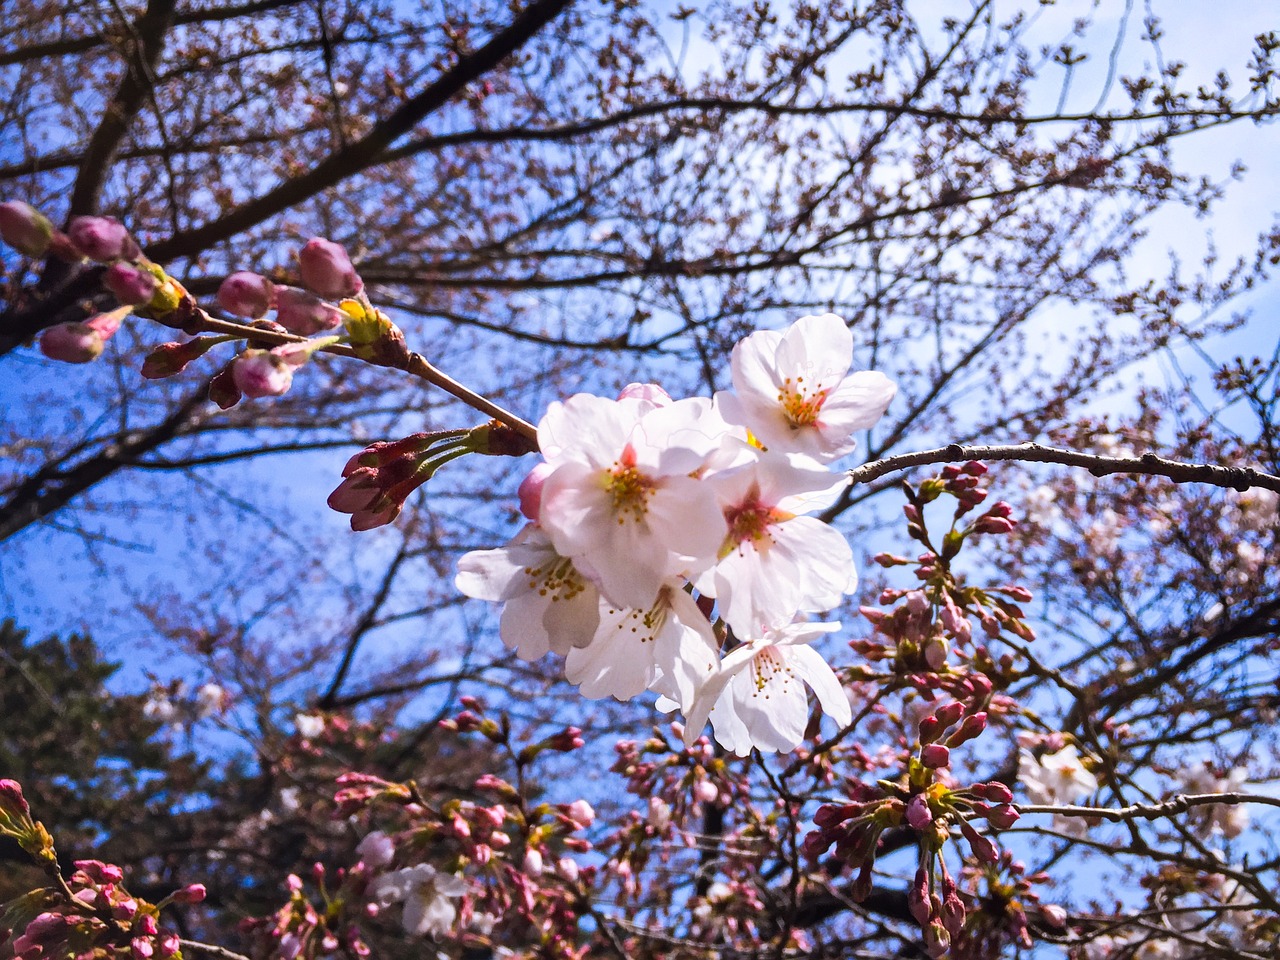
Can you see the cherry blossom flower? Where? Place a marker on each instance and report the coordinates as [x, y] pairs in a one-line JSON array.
[[1227, 819], [667, 647], [308, 725], [426, 894], [550, 604], [775, 563], [1057, 778], [620, 496], [757, 698], [376, 850], [793, 389], [1258, 508]]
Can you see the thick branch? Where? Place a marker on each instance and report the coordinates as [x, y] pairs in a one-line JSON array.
[[148, 43]]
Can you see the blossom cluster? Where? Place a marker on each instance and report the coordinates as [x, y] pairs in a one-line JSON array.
[[664, 532]]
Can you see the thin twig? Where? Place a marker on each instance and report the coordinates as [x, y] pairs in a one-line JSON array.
[[1236, 478], [1154, 811]]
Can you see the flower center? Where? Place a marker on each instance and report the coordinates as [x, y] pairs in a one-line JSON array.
[[767, 666], [749, 523], [629, 488], [802, 402], [558, 579]]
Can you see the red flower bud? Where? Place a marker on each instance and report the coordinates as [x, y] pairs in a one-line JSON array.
[[935, 755], [193, 893]]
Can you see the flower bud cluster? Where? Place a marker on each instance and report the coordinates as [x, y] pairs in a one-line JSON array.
[[377, 480], [90, 913]]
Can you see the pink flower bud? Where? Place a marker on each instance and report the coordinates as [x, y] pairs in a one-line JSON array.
[[993, 525], [192, 893], [1054, 915], [169, 944], [12, 802], [1003, 817], [918, 813], [994, 791], [131, 285], [147, 924], [102, 239], [918, 901], [376, 850], [71, 343], [24, 228], [246, 294], [260, 373], [124, 909], [972, 727], [982, 848], [531, 490], [706, 791], [141, 948], [532, 865], [567, 868], [301, 312], [172, 358], [935, 755], [327, 269]]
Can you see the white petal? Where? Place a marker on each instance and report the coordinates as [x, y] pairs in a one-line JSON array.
[[810, 667]]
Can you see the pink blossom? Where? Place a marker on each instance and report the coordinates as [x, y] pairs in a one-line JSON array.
[[758, 699], [327, 269], [620, 497], [72, 343]]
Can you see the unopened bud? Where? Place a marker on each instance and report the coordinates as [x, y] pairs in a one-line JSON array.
[[132, 285], [192, 893], [918, 813], [303, 313], [25, 228], [972, 727], [71, 343], [532, 865], [530, 491], [102, 239], [993, 525], [327, 269], [247, 294], [918, 901], [935, 755], [567, 868], [260, 373]]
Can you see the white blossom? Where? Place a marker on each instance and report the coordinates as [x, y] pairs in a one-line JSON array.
[[620, 497], [550, 604], [793, 389], [309, 725], [426, 894], [758, 699]]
